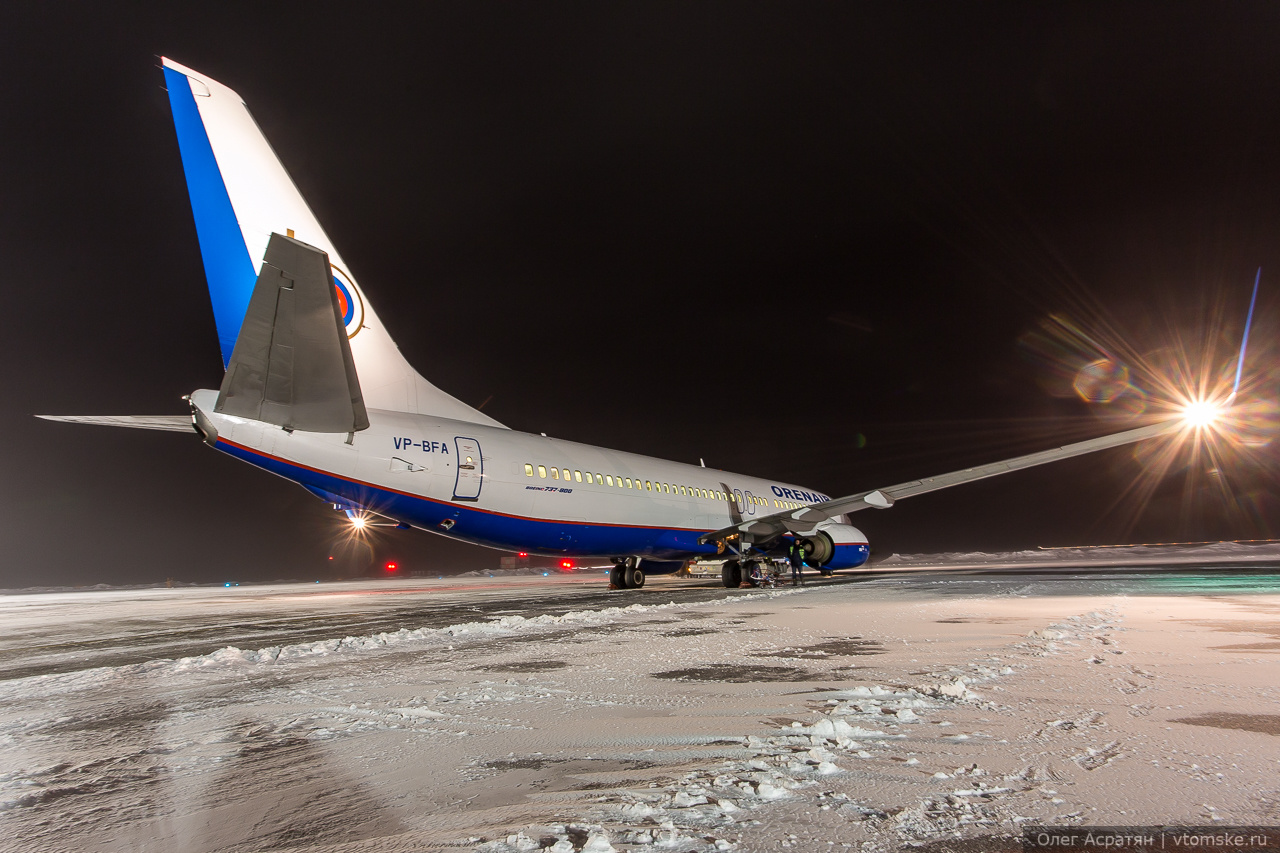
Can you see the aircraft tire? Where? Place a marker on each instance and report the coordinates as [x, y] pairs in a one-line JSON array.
[[618, 577], [635, 577], [748, 568], [731, 574]]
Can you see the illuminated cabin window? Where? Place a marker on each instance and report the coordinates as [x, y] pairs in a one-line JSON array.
[[628, 482], [648, 487], [528, 470], [619, 479], [684, 491], [608, 479], [706, 494], [577, 476], [666, 488], [566, 475], [542, 471], [586, 476], [599, 479], [555, 473]]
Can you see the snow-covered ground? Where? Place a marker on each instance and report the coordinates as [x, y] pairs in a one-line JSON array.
[[544, 713], [1206, 553]]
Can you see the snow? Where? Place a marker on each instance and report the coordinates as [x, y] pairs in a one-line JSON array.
[[945, 710]]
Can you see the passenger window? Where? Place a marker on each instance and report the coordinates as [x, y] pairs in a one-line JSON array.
[[628, 482], [619, 479], [599, 479], [528, 470], [608, 478], [648, 487], [577, 476], [555, 473], [542, 471]]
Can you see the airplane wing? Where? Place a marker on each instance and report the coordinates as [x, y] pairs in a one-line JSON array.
[[164, 423], [804, 518]]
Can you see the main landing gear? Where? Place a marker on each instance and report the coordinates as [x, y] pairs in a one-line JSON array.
[[626, 574], [735, 574]]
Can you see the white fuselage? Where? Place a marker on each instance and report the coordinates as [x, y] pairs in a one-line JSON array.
[[496, 487]]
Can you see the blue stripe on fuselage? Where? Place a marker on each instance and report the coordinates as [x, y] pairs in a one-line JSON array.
[[227, 264], [485, 527]]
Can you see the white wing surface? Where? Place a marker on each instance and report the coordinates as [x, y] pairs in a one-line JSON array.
[[805, 517]]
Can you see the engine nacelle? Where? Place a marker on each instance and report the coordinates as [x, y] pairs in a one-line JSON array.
[[835, 546]]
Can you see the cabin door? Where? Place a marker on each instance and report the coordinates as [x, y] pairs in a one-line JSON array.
[[470, 469]]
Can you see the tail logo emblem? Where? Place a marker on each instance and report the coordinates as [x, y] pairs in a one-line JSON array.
[[349, 302]]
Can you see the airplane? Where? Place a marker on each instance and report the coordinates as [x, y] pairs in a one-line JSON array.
[[316, 391]]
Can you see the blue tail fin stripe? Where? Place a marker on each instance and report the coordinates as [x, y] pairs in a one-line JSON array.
[[227, 265]]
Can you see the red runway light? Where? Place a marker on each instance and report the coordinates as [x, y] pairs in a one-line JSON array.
[[566, 564], [391, 567], [523, 554]]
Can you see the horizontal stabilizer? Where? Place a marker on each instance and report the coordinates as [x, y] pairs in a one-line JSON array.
[[163, 423], [292, 364]]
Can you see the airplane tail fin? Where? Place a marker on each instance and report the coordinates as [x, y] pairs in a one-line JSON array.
[[241, 195]]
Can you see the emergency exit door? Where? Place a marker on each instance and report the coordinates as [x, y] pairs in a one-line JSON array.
[[470, 469]]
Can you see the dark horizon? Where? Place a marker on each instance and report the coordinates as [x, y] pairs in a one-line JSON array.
[[898, 232]]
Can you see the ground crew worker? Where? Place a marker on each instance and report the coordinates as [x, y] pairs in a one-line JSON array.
[[795, 553]]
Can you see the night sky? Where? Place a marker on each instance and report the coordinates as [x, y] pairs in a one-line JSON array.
[[815, 242]]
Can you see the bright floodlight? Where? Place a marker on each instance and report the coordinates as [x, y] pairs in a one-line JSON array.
[[358, 522], [1200, 413]]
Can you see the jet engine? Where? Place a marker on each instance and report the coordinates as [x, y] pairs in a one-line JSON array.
[[832, 545]]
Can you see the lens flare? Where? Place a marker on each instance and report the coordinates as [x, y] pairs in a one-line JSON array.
[[1185, 363], [1201, 413]]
